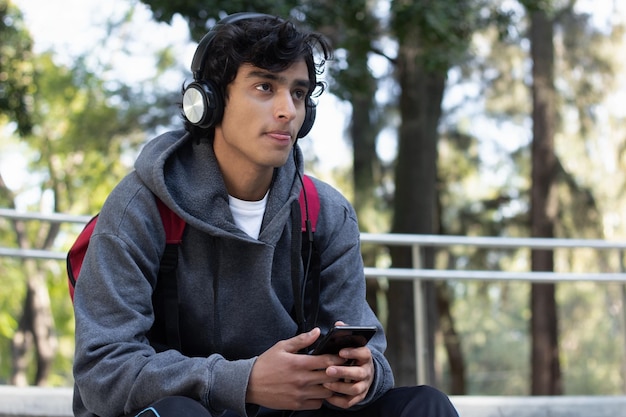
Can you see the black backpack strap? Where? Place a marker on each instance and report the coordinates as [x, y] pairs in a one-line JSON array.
[[307, 291], [297, 256], [165, 297], [168, 291], [312, 280]]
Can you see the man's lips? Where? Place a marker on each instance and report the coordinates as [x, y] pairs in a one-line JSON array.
[[280, 135]]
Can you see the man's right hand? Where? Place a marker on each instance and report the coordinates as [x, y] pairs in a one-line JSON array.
[[283, 379]]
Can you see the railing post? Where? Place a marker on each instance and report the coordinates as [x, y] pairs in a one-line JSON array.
[[418, 315], [622, 268]]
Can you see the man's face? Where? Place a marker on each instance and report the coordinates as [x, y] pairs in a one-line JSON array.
[[262, 116]]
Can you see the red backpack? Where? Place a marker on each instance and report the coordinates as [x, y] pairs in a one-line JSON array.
[[174, 227]]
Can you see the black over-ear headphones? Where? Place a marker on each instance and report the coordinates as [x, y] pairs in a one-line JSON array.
[[203, 104]]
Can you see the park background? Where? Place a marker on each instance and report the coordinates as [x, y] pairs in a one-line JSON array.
[[429, 126]]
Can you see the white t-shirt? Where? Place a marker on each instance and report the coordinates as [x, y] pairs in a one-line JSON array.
[[248, 215]]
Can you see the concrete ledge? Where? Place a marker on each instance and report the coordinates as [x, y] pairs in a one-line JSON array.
[[57, 402], [35, 402], [558, 406]]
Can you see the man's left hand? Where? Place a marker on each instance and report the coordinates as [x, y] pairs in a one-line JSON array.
[[354, 380]]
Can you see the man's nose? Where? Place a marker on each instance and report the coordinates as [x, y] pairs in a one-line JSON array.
[[285, 107]]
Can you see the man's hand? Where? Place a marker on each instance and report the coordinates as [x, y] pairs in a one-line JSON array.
[[282, 379], [354, 380], [351, 383]]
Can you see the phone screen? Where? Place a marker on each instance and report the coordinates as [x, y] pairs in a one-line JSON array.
[[340, 337]]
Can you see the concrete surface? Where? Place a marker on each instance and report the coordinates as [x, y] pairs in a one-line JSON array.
[[563, 406], [35, 401], [56, 402]]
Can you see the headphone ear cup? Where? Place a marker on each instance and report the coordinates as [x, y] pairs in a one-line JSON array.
[[202, 104], [309, 119]]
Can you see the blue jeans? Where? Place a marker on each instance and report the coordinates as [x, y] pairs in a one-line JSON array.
[[421, 401]]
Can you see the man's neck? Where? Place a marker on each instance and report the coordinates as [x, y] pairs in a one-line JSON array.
[[247, 187]]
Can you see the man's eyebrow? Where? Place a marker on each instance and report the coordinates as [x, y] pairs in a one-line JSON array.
[[274, 77]]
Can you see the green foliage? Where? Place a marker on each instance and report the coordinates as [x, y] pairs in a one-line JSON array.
[[202, 15], [487, 195], [84, 135], [538, 5], [444, 29], [86, 132], [80, 136], [63, 315], [494, 331], [16, 72], [592, 338], [10, 308]]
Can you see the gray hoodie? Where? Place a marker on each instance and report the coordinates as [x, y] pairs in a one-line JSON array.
[[236, 291]]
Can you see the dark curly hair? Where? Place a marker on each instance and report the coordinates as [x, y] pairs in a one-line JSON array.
[[266, 42]]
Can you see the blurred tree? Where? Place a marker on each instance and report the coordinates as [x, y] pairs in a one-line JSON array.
[[552, 184], [201, 16], [16, 72], [77, 135], [585, 75], [432, 36], [546, 370], [77, 141]]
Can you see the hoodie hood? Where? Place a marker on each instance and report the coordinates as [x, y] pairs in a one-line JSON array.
[[185, 175]]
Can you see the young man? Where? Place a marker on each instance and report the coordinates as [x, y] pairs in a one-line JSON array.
[[234, 176]]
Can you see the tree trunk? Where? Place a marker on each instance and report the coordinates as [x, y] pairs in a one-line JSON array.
[[36, 330], [546, 373], [36, 325], [366, 172], [414, 205], [451, 341]]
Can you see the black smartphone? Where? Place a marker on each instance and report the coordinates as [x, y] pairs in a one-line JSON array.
[[340, 337]]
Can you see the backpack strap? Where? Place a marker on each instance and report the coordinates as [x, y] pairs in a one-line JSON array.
[[309, 200], [165, 297], [76, 254], [308, 208]]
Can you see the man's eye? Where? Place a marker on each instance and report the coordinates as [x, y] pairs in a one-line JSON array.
[[299, 94], [264, 87]]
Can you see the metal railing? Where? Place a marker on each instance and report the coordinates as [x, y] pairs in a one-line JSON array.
[[415, 274]]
